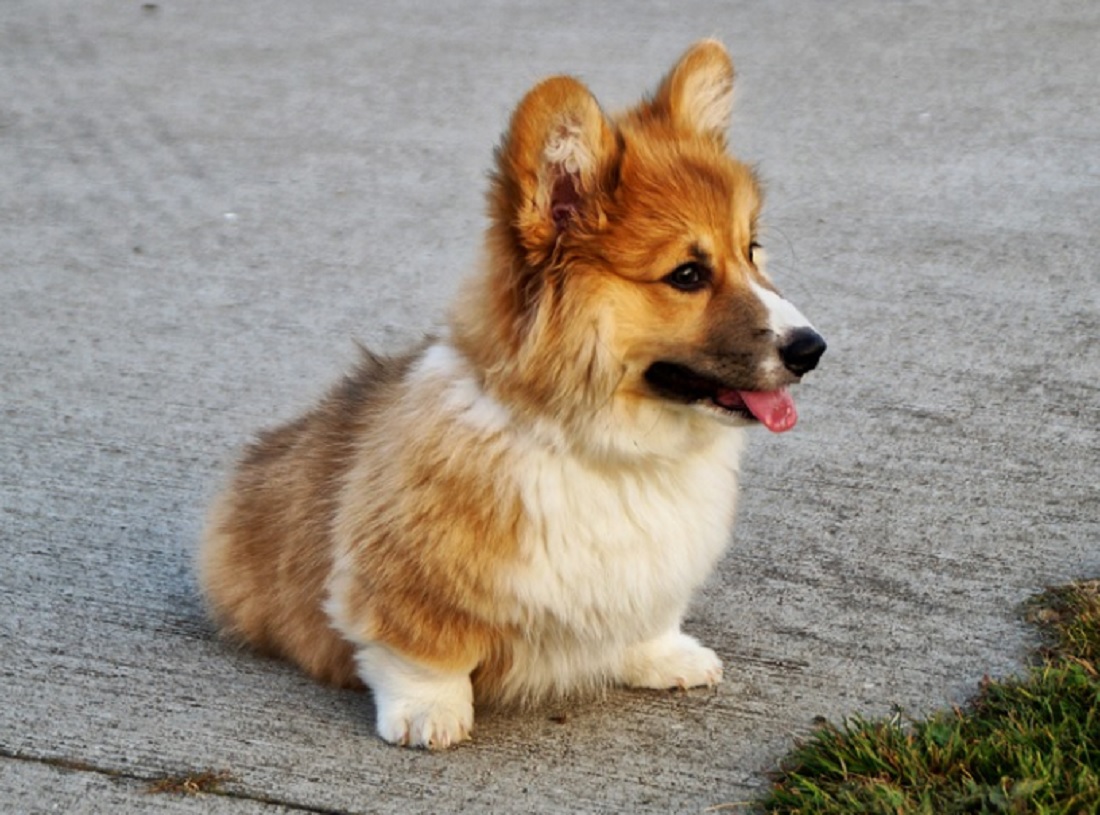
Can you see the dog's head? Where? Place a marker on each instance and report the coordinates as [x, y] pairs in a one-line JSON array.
[[624, 265]]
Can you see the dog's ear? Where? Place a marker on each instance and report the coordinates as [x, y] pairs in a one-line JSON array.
[[552, 165], [697, 94]]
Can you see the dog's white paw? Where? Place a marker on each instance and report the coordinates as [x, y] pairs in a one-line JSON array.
[[673, 660], [417, 705], [434, 725]]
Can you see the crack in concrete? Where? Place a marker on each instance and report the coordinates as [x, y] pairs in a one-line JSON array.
[[77, 765]]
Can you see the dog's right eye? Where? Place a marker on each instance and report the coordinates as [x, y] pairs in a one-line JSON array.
[[688, 277]]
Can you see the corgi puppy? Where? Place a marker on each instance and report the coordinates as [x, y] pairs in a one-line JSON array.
[[524, 506]]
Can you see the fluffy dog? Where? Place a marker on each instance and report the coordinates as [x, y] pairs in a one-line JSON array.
[[524, 506]]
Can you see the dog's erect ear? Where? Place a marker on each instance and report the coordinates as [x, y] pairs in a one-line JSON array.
[[552, 164], [697, 94]]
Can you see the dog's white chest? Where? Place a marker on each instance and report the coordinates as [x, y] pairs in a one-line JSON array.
[[611, 557]]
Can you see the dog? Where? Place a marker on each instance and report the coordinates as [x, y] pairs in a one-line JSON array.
[[522, 507]]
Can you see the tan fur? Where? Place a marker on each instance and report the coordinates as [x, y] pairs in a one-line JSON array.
[[376, 514], [267, 553], [421, 539]]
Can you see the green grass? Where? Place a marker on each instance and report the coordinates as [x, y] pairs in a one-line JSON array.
[[1028, 745]]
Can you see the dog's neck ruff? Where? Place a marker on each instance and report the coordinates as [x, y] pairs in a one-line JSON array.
[[615, 433]]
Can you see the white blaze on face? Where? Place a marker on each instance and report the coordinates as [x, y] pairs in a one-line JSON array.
[[783, 317]]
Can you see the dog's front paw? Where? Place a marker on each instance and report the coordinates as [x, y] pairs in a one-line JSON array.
[[417, 705], [673, 660], [434, 725]]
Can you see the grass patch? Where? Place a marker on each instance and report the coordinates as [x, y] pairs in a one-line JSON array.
[[1028, 745]]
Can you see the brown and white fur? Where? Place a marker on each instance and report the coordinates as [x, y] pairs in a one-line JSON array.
[[525, 505]]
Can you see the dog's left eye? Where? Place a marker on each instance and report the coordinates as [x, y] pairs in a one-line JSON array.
[[688, 277]]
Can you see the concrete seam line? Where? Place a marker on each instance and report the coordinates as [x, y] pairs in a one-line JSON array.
[[76, 765]]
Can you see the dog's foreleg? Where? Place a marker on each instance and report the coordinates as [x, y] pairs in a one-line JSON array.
[[417, 705], [671, 660]]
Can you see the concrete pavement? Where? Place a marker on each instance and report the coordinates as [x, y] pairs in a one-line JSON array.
[[203, 204]]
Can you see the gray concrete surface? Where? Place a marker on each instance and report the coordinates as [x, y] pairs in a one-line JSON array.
[[203, 204]]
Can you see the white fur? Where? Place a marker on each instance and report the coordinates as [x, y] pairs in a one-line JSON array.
[[416, 705], [783, 317], [612, 558], [709, 95], [442, 368], [567, 149], [672, 660]]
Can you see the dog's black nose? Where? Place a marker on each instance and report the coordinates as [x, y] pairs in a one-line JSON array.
[[801, 350]]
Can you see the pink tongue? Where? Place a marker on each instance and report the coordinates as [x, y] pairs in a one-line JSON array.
[[774, 408]]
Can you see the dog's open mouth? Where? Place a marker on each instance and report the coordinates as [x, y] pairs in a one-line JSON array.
[[774, 409]]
